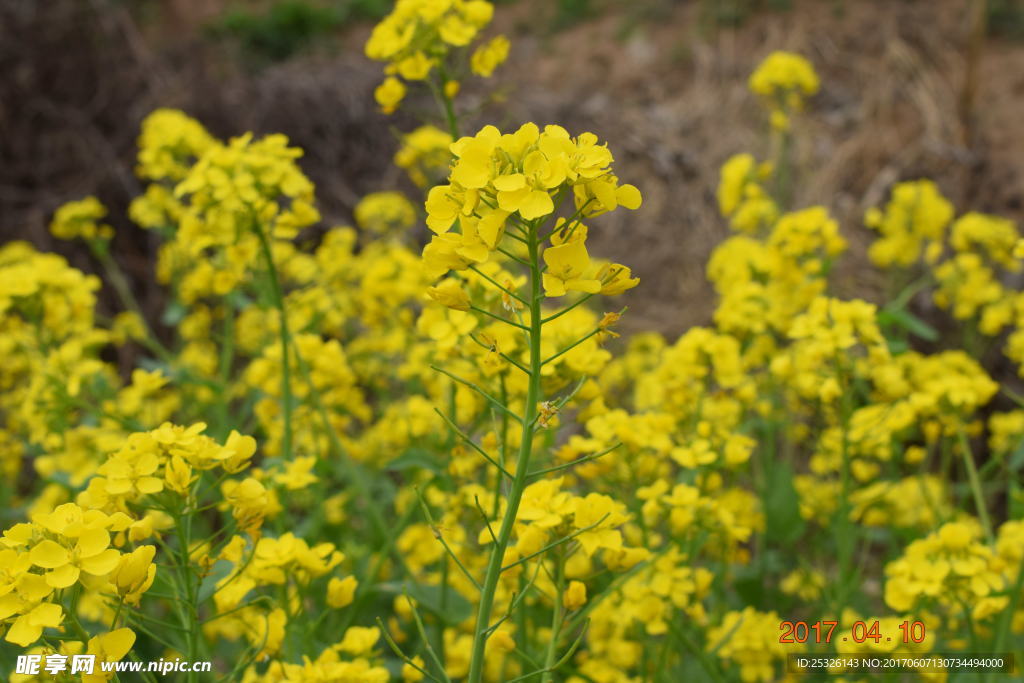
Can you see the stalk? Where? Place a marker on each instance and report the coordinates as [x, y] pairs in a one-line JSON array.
[[556, 619], [123, 289], [490, 584], [975, 483], [188, 611], [286, 380], [845, 537]]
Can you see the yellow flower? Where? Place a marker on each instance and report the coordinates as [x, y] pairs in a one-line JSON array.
[[249, 501], [746, 638], [340, 592], [415, 67], [601, 514], [784, 72], [501, 641], [615, 279], [497, 178], [410, 674], [236, 453], [915, 217], [27, 628], [178, 475], [443, 207], [359, 640], [424, 155], [85, 546], [385, 213], [451, 294], [575, 595], [134, 574], [297, 474], [80, 219], [389, 94], [489, 56], [567, 265], [948, 568], [169, 144]]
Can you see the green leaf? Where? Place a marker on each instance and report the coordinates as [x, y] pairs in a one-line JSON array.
[[416, 458], [208, 587], [1016, 500], [456, 608], [909, 322], [174, 314], [781, 507], [749, 585]]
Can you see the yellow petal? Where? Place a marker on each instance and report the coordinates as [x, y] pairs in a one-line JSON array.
[[114, 645], [510, 201], [10, 604], [93, 541], [23, 632], [491, 227], [62, 577], [49, 555], [553, 286], [510, 183], [33, 587], [538, 203], [628, 196], [473, 169], [473, 250], [605, 193], [568, 260], [101, 564], [149, 485], [46, 615], [588, 285]]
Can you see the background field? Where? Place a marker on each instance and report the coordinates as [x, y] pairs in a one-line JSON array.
[[663, 82]]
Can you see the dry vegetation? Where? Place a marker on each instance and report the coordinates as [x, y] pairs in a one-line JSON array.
[[670, 99]]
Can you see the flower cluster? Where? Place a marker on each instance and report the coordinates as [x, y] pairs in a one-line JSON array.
[[415, 40], [456, 469], [951, 570], [81, 219], [784, 79], [505, 181]]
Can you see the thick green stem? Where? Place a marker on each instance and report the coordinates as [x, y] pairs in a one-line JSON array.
[[494, 563]]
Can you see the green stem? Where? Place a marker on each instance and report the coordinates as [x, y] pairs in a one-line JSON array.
[[706, 663], [578, 302], [227, 355], [118, 280], [286, 383], [493, 574], [449, 107], [555, 356], [1006, 618], [846, 531], [556, 619], [188, 612], [975, 481]]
